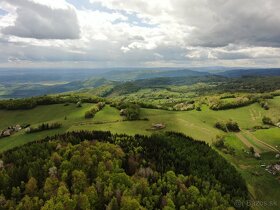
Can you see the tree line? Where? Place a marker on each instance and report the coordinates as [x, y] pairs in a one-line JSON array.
[[43, 127], [30, 103], [91, 113]]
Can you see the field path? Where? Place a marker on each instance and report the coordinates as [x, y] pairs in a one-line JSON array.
[[246, 142], [270, 147]]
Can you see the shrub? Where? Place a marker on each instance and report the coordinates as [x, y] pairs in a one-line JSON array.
[[220, 144], [232, 126], [221, 126], [264, 104], [267, 121], [198, 108], [89, 114], [228, 126]]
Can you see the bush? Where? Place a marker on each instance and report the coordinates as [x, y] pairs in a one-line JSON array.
[[220, 144], [232, 126], [89, 114], [264, 104], [229, 126], [198, 108], [222, 126], [267, 121]]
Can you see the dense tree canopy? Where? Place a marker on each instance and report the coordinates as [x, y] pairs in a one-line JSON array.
[[98, 170]]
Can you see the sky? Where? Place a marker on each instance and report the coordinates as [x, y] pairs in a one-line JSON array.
[[139, 33]]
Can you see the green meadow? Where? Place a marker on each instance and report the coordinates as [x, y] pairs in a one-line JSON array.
[[197, 124], [40, 114]]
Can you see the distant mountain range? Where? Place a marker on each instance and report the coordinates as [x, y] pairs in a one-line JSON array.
[[16, 83]]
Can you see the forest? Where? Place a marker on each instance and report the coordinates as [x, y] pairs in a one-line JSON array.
[[100, 170]]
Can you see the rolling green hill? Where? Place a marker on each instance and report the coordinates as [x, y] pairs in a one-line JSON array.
[[158, 102]]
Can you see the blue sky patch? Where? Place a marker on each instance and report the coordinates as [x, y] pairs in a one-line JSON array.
[[3, 12], [132, 17]]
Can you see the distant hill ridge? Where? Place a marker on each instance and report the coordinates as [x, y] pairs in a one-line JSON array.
[[26, 83], [250, 72]]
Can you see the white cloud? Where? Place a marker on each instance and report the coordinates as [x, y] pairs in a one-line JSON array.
[[214, 23], [141, 32], [41, 21]]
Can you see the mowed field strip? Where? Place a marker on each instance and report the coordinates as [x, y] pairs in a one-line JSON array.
[[247, 138], [268, 146], [245, 141]]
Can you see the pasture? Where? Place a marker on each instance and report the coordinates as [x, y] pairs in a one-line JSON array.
[[197, 124]]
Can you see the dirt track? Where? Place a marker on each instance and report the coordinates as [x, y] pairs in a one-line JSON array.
[[268, 146], [246, 142]]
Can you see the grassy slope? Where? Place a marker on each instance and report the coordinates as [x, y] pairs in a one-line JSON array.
[[264, 187], [40, 114], [271, 136], [193, 123], [199, 125]]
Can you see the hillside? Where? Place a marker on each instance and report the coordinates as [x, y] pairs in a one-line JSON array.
[[26, 83], [139, 105], [200, 107], [24, 90], [120, 171]]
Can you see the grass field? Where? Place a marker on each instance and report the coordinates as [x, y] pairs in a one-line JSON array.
[[40, 114], [185, 122], [271, 136], [198, 124]]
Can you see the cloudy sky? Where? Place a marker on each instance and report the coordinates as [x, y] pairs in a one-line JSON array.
[[150, 33]]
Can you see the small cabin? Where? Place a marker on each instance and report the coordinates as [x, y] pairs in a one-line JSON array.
[[158, 126]]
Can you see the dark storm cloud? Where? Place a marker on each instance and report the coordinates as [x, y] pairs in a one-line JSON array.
[[43, 22]]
